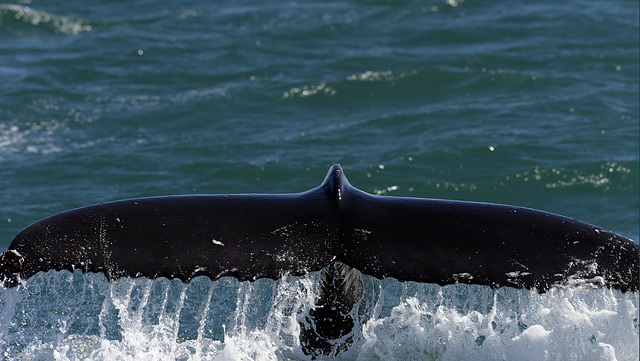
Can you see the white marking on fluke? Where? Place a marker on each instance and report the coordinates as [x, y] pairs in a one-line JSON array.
[[517, 274], [216, 242]]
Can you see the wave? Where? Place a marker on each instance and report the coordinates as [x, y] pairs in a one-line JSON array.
[[68, 316], [23, 21]]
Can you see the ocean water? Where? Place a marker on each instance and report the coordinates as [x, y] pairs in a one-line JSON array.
[[526, 103]]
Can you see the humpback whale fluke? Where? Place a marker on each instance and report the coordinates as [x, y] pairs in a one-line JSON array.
[[249, 236], [334, 227]]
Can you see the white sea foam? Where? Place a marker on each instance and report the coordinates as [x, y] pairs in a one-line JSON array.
[[65, 316], [58, 23]]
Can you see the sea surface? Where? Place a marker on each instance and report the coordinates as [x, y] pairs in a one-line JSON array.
[[529, 103]]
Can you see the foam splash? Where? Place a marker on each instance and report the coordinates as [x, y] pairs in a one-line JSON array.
[[565, 324], [71, 316]]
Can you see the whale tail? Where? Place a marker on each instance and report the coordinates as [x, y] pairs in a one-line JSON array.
[[249, 236]]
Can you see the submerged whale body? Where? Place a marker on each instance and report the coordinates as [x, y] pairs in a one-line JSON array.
[[335, 228]]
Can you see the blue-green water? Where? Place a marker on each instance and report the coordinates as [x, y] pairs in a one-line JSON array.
[[526, 103]]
